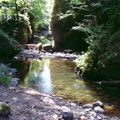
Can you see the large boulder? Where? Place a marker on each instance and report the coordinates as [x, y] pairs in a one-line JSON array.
[[65, 25]]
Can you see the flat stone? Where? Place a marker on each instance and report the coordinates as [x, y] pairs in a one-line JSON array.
[[48, 101], [65, 109], [82, 113], [88, 109], [98, 109], [88, 106], [57, 107]]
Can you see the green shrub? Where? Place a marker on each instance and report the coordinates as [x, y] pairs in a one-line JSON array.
[[8, 46], [5, 80]]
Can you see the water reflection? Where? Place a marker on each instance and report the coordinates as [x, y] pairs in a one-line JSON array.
[[38, 76], [44, 78]]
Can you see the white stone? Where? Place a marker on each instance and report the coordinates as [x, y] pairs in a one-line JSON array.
[[15, 99], [88, 109], [54, 117], [65, 109], [83, 118], [93, 114], [92, 118], [98, 109], [82, 113], [98, 103], [73, 104], [48, 100], [87, 106]]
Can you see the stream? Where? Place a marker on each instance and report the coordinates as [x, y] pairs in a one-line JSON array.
[[57, 76]]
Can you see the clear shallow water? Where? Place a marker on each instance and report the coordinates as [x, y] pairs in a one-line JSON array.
[[57, 76], [54, 76]]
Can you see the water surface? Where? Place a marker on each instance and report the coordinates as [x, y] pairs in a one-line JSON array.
[[57, 76]]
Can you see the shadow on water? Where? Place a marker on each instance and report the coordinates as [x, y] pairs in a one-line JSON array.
[[57, 76], [109, 93]]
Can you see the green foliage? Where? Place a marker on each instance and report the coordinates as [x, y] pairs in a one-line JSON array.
[[8, 46], [37, 13], [5, 80], [68, 27], [45, 41], [75, 2], [102, 61], [6, 10]]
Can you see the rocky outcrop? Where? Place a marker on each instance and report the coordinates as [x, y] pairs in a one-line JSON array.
[[68, 27]]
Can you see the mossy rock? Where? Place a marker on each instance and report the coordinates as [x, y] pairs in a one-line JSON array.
[[4, 109]]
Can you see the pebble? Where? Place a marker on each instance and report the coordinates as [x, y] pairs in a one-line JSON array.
[[92, 118], [54, 117], [88, 106], [88, 109], [65, 109], [73, 104], [48, 101], [68, 115], [82, 113], [98, 103], [93, 114], [15, 99], [98, 109], [83, 118]]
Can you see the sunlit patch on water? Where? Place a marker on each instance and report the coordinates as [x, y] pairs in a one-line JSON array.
[[38, 76], [44, 79]]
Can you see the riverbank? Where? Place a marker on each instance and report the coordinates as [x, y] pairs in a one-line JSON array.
[[28, 104]]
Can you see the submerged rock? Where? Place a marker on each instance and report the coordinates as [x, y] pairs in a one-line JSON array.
[[4, 109]]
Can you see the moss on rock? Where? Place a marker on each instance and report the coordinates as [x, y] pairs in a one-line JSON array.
[[4, 109]]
